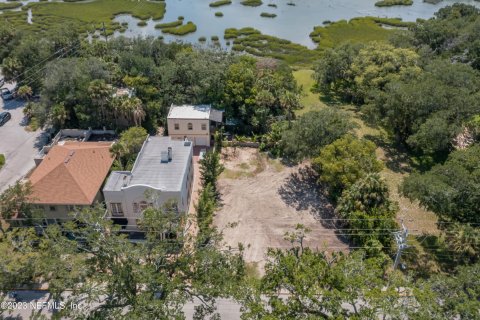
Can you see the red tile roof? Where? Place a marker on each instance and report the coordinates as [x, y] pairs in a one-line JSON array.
[[71, 173]]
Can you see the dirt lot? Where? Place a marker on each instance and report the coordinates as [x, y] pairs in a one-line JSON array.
[[267, 199]]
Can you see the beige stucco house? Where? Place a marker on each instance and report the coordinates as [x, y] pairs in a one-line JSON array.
[[195, 123], [163, 171]]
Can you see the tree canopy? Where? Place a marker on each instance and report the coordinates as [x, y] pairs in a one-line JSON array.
[[312, 131], [341, 163], [452, 189]]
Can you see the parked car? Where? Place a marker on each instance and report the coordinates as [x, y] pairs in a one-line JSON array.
[[7, 94], [202, 153], [4, 117]]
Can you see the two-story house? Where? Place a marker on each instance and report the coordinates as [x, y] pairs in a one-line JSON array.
[[195, 123], [163, 171]]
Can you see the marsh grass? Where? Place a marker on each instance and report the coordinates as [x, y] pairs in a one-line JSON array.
[[220, 3], [389, 3], [85, 16], [252, 3], [182, 29], [254, 42], [359, 30]]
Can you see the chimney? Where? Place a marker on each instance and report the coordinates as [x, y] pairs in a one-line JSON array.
[[169, 153]]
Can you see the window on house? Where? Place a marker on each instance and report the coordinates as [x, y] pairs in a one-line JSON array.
[[117, 209], [53, 208], [143, 205], [204, 126], [177, 126], [190, 126]]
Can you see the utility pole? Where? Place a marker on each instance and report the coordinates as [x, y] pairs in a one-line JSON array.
[[401, 240]]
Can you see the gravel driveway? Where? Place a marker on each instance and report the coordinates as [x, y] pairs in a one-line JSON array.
[[17, 144]]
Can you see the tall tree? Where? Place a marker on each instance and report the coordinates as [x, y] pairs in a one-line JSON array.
[[100, 94], [301, 283], [14, 201], [125, 150], [452, 189], [312, 131], [210, 170], [116, 278], [344, 162]]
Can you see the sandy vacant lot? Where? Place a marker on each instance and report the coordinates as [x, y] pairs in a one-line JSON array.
[[265, 200]]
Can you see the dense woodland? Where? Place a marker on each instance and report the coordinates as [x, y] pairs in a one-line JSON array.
[[422, 88]]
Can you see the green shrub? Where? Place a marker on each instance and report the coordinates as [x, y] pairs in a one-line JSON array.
[[2, 160]]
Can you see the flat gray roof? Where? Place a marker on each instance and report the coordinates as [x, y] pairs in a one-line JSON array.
[[149, 170], [189, 112], [197, 112]]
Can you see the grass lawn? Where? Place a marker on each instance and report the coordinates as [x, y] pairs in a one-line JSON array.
[[309, 100]]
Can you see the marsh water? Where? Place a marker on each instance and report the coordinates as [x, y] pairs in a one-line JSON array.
[[293, 22]]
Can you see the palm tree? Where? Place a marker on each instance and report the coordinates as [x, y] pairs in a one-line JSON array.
[[131, 109], [118, 151], [289, 101], [138, 112], [11, 68], [100, 93], [25, 92], [464, 240], [58, 115]]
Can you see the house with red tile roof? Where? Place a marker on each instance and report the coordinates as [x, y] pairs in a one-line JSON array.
[[70, 176]]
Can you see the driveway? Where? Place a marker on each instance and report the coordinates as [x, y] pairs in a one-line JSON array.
[[17, 144]]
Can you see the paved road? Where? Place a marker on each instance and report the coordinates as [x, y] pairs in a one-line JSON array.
[[18, 145], [32, 301]]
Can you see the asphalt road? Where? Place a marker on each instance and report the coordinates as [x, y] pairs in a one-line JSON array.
[[32, 301], [17, 144]]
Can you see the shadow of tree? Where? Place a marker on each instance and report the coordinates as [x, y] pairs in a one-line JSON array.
[[429, 256], [397, 158], [301, 191], [42, 139], [13, 104]]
